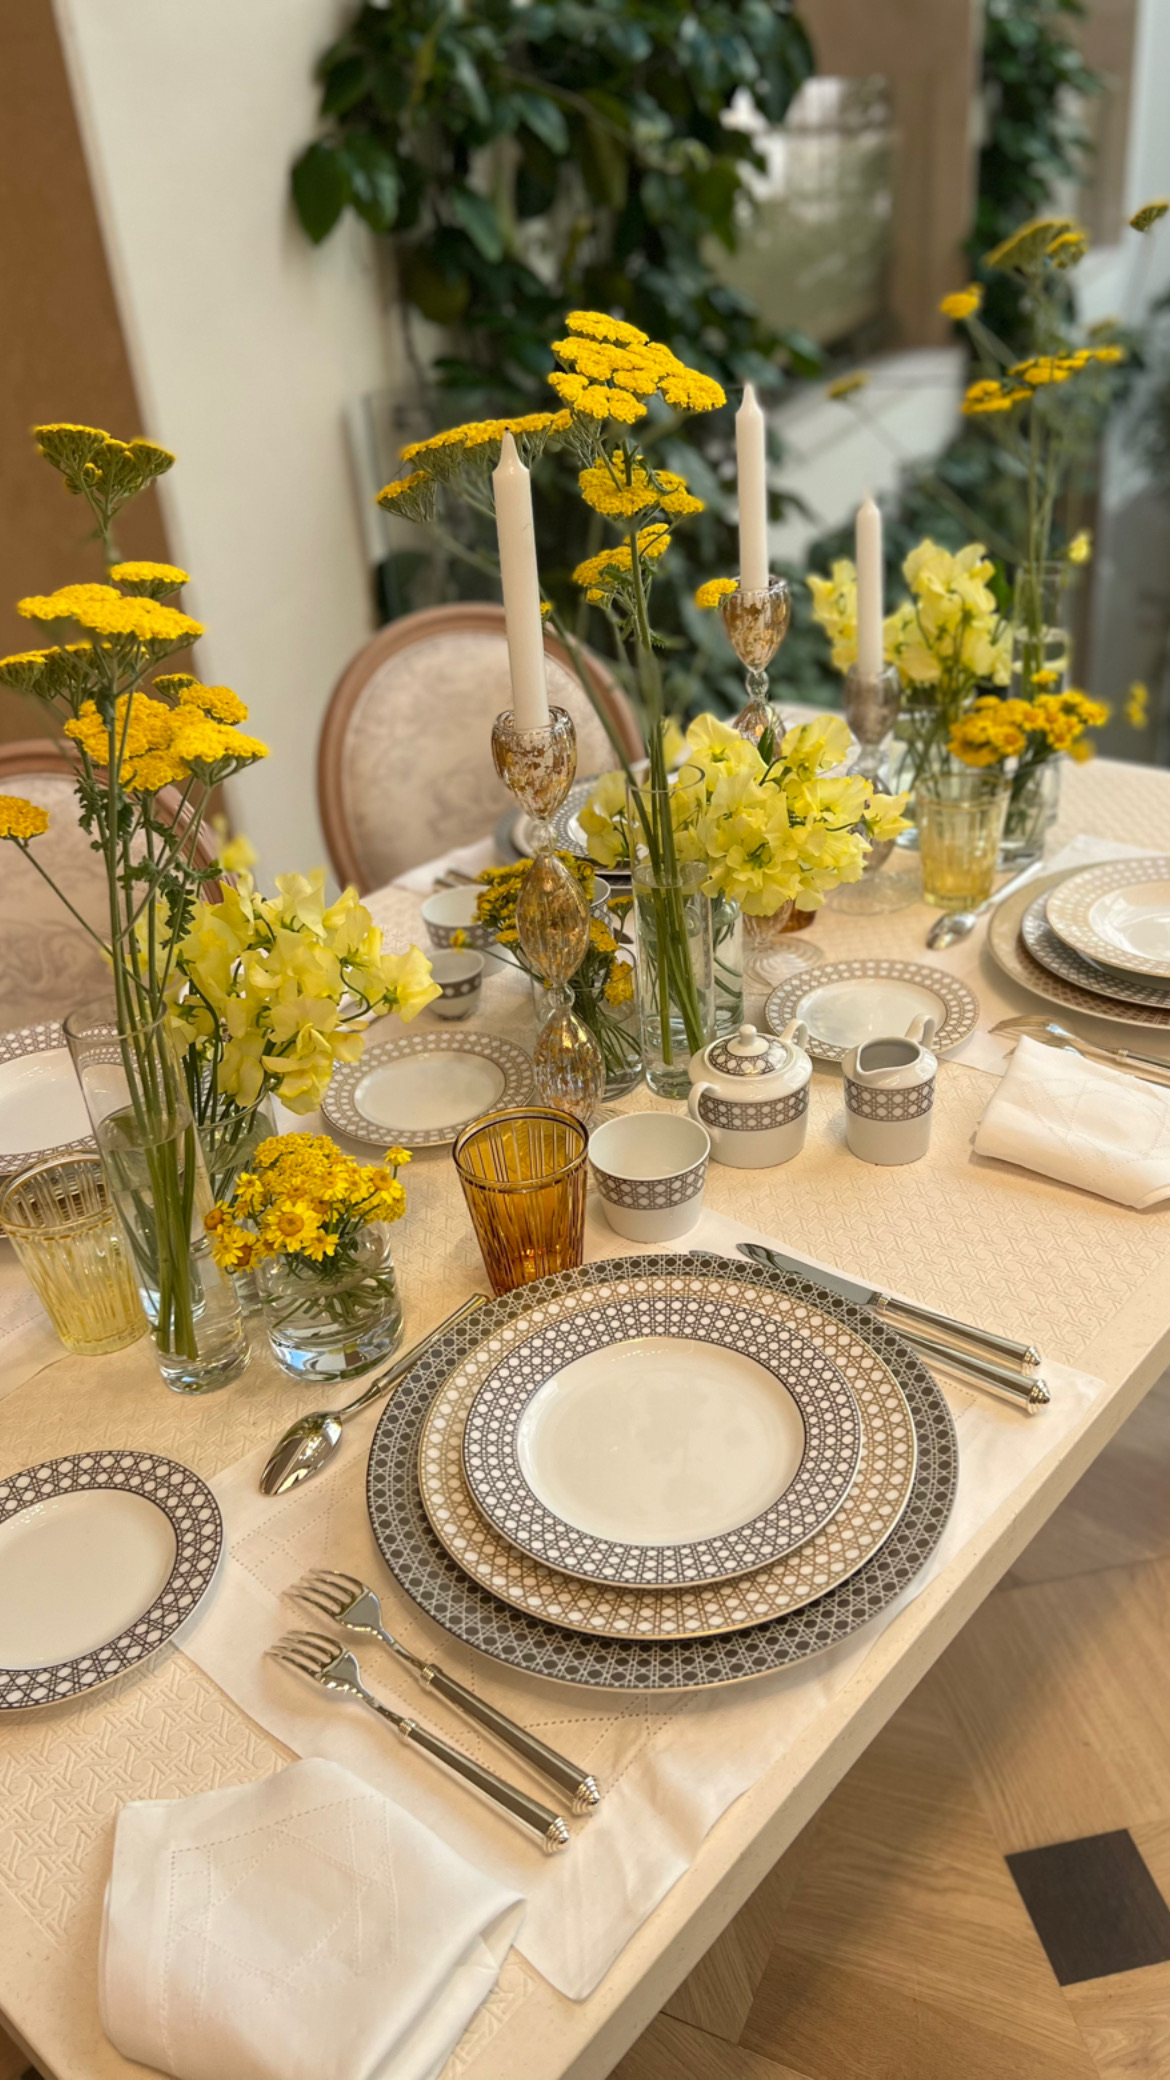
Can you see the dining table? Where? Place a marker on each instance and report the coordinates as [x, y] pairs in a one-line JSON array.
[[1083, 1278]]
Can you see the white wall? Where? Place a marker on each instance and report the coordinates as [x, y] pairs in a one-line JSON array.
[[248, 344]]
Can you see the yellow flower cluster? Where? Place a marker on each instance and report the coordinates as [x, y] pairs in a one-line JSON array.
[[303, 1198], [401, 485], [715, 589], [1080, 549], [1148, 215], [962, 303], [484, 433], [993, 731], [607, 573], [1027, 249], [95, 465], [153, 579], [1037, 373], [609, 369], [278, 989], [21, 819], [158, 745], [621, 493], [1137, 707], [105, 612], [949, 634], [848, 386]]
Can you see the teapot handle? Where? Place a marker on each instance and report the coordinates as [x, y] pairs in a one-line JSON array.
[[696, 1092]]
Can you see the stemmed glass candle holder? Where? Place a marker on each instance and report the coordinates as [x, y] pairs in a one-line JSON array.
[[756, 624], [872, 701], [538, 766]]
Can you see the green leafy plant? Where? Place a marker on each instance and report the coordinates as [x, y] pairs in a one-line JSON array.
[[528, 158]]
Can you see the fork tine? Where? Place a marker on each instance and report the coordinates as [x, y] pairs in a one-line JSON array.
[[329, 1578], [315, 1643], [304, 1668], [314, 1600], [313, 1583]]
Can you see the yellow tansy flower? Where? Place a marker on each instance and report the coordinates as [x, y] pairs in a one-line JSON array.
[[21, 819]]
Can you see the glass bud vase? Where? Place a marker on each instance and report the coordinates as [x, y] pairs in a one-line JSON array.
[[1040, 638], [1031, 810], [332, 1320], [676, 972], [155, 1172], [728, 927], [229, 1144]]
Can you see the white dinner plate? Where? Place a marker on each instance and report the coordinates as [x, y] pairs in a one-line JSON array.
[[42, 1111], [103, 1556], [846, 1002], [1118, 913], [421, 1091]]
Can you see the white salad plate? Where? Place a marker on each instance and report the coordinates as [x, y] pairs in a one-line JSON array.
[[1060, 960], [1118, 913], [707, 1444], [1007, 944], [846, 1002], [42, 1111], [103, 1556], [420, 1092]]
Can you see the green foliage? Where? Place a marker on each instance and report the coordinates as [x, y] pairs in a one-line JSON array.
[[529, 159]]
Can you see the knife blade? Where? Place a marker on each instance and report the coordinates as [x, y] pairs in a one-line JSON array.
[[1024, 1354]]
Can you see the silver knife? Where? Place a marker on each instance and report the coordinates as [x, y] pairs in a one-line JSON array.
[[932, 1323]]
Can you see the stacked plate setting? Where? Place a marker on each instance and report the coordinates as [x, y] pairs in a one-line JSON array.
[[661, 1473], [1096, 940]]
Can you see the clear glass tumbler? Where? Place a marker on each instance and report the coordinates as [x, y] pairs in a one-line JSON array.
[[960, 824], [58, 1217], [524, 1175]]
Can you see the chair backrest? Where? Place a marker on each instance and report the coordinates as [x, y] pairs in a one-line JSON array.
[[48, 963], [404, 768]]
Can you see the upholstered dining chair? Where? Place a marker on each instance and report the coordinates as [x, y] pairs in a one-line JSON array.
[[404, 766], [48, 963]]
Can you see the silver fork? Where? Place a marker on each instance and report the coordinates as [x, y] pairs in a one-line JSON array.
[[352, 1603], [327, 1662]]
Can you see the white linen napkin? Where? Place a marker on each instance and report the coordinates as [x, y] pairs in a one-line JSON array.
[[301, 1928], [1082, 1123]]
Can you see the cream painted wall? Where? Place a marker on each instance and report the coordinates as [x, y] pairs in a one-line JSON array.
[[248, 345]]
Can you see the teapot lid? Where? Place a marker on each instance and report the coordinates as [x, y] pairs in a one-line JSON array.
[[748, 1053]]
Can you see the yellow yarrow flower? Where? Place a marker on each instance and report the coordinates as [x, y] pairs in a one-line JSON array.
[[990, 396], [1080, 549], [1149, 214], [962, 303], [107, 613], [217, 701], [608, 488], [847, 386], [610, 565], [715, 589], [154, 579], [21, 819], [390, 492], [1137, 707], [600, 325]]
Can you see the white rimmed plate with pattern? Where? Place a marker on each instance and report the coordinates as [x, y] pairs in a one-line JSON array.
[[422, 1090]]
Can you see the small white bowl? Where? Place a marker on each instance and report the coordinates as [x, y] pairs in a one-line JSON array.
[[453, 910], [460, 977], [650, 1169]]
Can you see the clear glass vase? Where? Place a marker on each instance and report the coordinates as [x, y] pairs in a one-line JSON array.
[[132, 1082], [332, 1320], [676, 972], [229, 1144], [1040, 638], [1035, 799], [728, 927]]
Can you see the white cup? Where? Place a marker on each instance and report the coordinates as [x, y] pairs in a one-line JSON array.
[[650, 1169], [453, 910], [460, 977]]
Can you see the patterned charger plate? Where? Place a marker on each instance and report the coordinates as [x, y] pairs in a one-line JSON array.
[[1004, 937], [40, 1099], [103, 1556], [421, 1091], [1060, 960], [1118, 913], [874, 1504], [442, 1590], [846, 1002], [658, 1438]]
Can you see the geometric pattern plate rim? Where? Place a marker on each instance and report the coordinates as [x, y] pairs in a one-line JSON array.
[[873, 1506], [193, 1513], [1007, 947], [569, 1326], [341, 1108], [447, 1595], [45, 1038], [961, 1004], [1049, 949], [1070, 918]]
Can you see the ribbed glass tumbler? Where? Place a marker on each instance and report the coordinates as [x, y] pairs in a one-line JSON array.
[[524, 1176], [58, 1217]]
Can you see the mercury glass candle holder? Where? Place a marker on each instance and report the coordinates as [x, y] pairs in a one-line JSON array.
[[756, 624], [538, 766], [892, 878]]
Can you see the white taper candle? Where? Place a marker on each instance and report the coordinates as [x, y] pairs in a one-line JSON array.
[[868, 537], [513, 493], [752, 473]]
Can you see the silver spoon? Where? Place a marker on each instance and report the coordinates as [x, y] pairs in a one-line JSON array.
[[1050, 1034], [945, 930], [310, 1442]]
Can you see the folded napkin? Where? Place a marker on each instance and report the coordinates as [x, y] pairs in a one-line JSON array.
[[1097, 1128], [301, 1928]]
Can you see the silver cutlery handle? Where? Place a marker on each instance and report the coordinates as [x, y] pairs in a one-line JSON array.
[[1029, 1394], [1145, 1065], [576, 1783], [1025, 1353], [393, 1373], [546, 1825]]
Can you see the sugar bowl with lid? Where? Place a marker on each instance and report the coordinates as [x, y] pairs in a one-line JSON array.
[[750, 1091]]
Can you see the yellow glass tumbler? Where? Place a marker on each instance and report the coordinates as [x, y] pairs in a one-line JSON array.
[[524, 1175], [58, 1218], [960, 820]]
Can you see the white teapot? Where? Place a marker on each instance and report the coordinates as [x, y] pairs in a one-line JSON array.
[[889, 1096], [750, 1091]]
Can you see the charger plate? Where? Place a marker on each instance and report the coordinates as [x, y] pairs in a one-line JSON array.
[[1118, 913], [658, 1437], [441, 1589], [1007, 946], [874, 1504]]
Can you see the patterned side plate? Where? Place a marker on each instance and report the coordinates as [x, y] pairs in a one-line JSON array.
[[439, 1082], [40, 1098], [845, 1002], [673, 1340], [1060, 960], [1118, 913], [1006, 943], [446, 1594], [874, 1504], [74, 1560]]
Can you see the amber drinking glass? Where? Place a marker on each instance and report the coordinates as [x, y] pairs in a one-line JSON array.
[[960, 823], [58, 1218], [524, 1175]]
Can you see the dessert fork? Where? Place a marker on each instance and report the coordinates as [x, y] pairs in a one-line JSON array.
[[352, 1603], [327, 1662]]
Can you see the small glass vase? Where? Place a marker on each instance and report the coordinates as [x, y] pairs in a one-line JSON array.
[[1035, 799], [336, 1319], [1040, 639], [676, 972], [727, 951], [132, 1082], [229, 1144], [614, 1027]]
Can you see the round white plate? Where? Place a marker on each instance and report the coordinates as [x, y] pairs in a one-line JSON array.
[[42, 1111], [660, 1445], [102, 1557], [1042, 943], [421, 1092], [1007, 946], [1118, 913], [846, 1002]]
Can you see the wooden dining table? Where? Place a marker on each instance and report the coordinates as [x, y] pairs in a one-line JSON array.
[[1084, 1278]]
